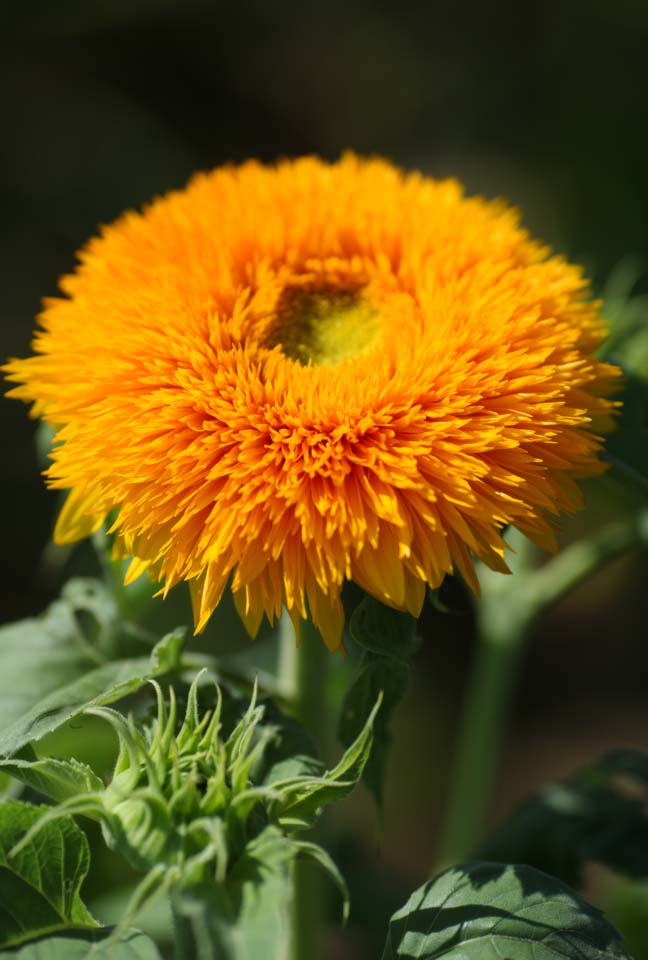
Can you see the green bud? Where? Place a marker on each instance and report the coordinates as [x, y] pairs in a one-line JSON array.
[[188, 805]]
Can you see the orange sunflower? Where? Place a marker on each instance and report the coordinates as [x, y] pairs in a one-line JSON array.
[[284, 377]]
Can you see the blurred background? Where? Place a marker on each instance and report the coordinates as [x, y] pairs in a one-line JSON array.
[[108, 103]]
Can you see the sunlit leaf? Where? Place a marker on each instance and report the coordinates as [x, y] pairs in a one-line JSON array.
[[57, 779], [302, 802], [490, 911], [102, 685], [131, 945]]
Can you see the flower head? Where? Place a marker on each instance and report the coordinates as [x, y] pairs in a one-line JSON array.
[[289, 376]]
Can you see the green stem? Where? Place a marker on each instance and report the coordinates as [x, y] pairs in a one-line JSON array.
[[500, 635], [508, 608], [197, 934], [183, 936], [302, 678]]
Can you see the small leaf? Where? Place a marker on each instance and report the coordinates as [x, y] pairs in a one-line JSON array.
[[491, 911], [381, 630], [98, 687], [289, 751], [627, 446], [39, 886], [131, 945], [378, 676], [312, 851], [57, 779], [389, 640], [165, 656], [303, 799]]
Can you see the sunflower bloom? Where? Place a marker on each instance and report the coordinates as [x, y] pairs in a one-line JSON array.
[[284, 377]]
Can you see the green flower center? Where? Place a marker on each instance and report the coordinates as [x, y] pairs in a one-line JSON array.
[[324, 326]]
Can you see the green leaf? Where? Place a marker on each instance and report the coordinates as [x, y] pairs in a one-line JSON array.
[[57, 779], [490, 911], [591, 817], [39, 887], [165, 656], [378, 676], [131, 945], [303, 799], [389, 640], [381, 630], [624, 314], [77, 633], [38, 656], [627, 445], [289, 752], [248, 917], [97, 687]]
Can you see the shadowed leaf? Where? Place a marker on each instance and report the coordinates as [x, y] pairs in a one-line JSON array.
[[388, 640], [599, 815], [39, 886]]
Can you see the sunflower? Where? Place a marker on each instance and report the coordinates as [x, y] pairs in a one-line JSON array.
[[286, 377]]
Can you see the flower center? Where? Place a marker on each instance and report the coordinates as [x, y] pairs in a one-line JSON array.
[[324, 326]]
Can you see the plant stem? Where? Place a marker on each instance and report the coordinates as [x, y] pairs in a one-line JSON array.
[[194, 936], [482, 725], [302, 680], [506, 611], [500, 634]]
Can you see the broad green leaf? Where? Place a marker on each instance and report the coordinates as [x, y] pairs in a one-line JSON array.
[[57, 779], [591, 817], [97, 687], [492, 911], [264, 866], [39, 886], [38, 656], [131, 945], [77, 633]]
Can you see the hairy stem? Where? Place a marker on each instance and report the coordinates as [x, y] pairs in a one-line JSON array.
[[302, 675]]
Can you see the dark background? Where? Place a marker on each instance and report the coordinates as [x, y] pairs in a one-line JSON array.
[[109, 102]]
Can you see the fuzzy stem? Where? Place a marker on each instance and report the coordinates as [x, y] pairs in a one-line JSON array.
[[302, 677]]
